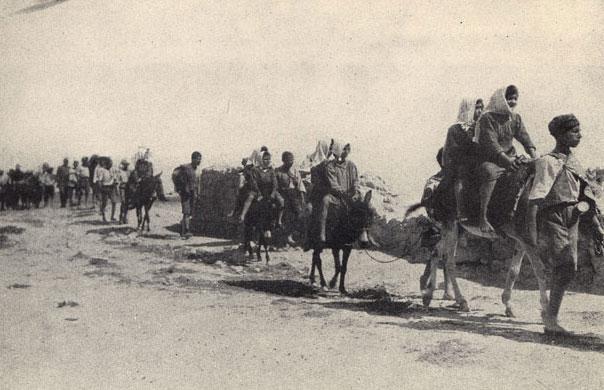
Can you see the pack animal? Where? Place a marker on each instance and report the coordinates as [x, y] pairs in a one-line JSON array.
[[140, 195], [346, 224], [508, 210], [258, 225]]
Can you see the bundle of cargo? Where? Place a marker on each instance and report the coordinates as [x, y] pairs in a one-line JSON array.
[[218, 189]]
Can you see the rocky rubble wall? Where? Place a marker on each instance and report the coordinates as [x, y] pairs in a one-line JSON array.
[[218, 189]]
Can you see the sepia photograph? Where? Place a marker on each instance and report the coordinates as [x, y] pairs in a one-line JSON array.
[[301, 194]]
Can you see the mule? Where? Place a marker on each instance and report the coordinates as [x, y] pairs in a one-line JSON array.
[[258, 225], [140, 195], [346, 224]]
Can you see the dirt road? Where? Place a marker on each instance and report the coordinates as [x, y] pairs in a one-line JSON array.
[[86, 305]]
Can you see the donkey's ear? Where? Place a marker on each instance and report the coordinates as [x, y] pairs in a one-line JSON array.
[[368, 197], [159, 174]]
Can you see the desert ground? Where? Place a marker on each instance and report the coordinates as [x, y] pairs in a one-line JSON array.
[[87, 305]]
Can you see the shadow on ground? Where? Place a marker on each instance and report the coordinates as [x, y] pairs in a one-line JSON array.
[[124, 230], [41, 6], [93, 222], [440, 319], [286, 288]]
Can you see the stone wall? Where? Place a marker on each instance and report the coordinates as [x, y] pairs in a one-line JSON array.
[[218, 189]]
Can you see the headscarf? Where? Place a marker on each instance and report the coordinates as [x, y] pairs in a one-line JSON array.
[[498, 104], [255, 158], [465, 116], [337, 148]]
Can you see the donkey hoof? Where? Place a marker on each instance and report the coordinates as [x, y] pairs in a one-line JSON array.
[[463, 306], [343, 291], [509, 312], [426, 300], [448, 297], [332, 283]]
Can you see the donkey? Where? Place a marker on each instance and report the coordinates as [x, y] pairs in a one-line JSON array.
[[507, 211], [345, 225], [141, 195], [259, 220]]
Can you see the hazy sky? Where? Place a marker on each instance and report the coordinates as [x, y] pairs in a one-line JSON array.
[[84, 76]]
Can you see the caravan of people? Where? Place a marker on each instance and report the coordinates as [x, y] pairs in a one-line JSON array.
[[484, 189], [542, 204]]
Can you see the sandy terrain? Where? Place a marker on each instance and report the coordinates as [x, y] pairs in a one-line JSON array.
[[86, 305]]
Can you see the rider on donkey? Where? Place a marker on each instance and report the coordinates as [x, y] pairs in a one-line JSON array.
[[264, 186], [495, 131], [343, 181], [459, 154], [558, 187]]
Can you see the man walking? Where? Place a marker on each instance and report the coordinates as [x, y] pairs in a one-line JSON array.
[[188, 191], [63, 181]]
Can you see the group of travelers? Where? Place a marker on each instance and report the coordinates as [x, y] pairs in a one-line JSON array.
[[479, 150], [334, 180], [89, 182]]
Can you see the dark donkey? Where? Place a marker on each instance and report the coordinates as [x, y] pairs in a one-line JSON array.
[[260, 221], [346, 224], [141, 194]]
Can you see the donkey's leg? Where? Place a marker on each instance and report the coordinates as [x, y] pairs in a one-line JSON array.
[[539, 271], [320, 268], [337, 268], [428, 291], [425, 278], [259, 246], [453, 241], [139, 217], [511, 278], [431, 271], [147, 217], [267, 242], [345, 256], [313, 263]]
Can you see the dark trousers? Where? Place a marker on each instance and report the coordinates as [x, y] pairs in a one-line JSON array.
[[63, 194], [49, 194]]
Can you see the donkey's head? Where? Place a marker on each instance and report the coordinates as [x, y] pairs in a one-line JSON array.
[[360, 218]]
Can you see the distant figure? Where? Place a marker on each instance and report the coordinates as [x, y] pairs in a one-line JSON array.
[[245, 177], [495, 132], [105, 183], [124, 175], [264, 185], [48, 181], [63, 182], [4, 181], [72, 185], [83, 182], [188, 192], [292, 189]]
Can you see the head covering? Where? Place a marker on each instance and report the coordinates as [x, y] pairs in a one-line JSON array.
[[337, 148], [465, 115], [124, 162], [510, 91], [498, 104], [562, 123], [256, 158]]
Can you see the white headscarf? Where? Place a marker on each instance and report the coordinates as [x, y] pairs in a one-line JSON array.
[[465, 116]]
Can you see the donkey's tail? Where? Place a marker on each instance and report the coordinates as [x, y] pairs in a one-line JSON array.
[[413, 208]]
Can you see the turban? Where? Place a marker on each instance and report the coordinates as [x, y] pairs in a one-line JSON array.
[[511, 90], [562, 123]]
